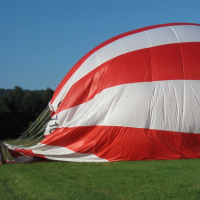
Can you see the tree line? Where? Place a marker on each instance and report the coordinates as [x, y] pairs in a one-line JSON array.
[[20, 108]]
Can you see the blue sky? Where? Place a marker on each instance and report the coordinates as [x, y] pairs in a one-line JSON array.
[[40, 40]]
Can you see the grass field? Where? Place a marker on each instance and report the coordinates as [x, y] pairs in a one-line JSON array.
[[175, 179]]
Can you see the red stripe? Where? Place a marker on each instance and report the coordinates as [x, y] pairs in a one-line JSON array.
[[124, 143], [15, 154], [80, 62], [166, 62]]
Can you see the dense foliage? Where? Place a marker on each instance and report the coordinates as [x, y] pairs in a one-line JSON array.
[[19, 108]]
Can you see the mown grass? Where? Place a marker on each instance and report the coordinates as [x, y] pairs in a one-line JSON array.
[[175, 179]]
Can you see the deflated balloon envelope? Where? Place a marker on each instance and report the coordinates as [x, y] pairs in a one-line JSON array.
[[134, 97]]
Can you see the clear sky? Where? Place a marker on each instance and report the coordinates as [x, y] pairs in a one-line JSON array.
[[40, 40]]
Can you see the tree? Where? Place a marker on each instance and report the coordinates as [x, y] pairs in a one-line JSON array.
[[19, 108]]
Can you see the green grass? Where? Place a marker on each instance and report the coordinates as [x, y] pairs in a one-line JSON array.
[[175, 179]]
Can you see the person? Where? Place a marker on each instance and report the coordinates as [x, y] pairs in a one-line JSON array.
[[1, 154]]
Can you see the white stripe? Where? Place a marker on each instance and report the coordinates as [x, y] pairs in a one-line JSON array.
[[187, 34], [162, 105], [56, 153], [157, 36], [64, 154]]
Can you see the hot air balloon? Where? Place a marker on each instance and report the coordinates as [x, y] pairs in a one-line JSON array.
[[136, 96]]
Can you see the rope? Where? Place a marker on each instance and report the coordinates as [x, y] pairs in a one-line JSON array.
[[31, 128], [33, 135], [35, 131]]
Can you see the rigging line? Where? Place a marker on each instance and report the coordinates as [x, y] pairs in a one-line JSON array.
[[41, 130], [34, 124], [34, 140], [29, 139], [38, 123], [37, 120]]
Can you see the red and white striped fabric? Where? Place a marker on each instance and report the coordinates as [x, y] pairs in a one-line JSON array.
[[133, 97]]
